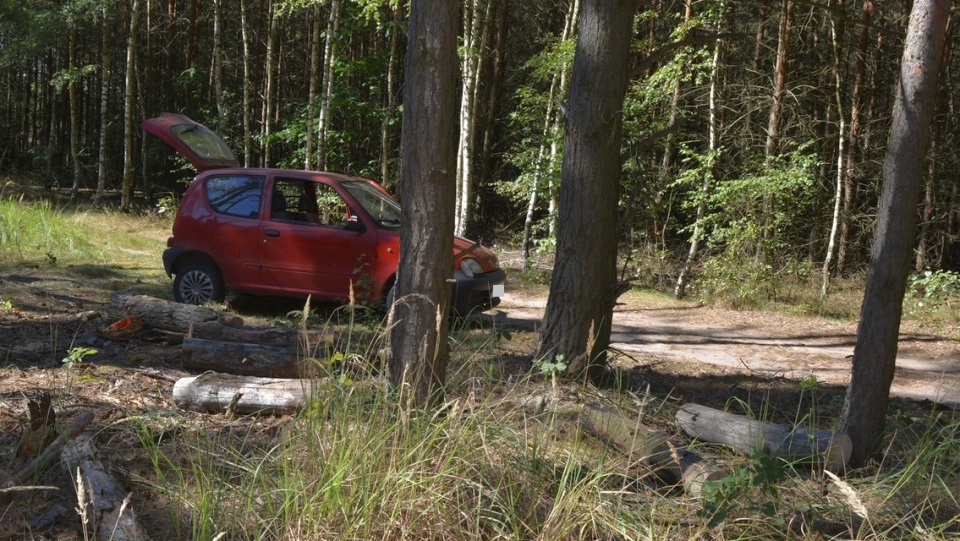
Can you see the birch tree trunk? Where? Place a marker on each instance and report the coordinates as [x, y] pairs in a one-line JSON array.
[[874, 359], [476, 16], [853, 143], [128, 109], [386, 146], [329, 57], [712, 147], [836, 38], [552, 120]]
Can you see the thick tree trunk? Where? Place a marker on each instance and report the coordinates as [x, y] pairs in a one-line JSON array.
[[864, 412], [418, 321], [583, 288]]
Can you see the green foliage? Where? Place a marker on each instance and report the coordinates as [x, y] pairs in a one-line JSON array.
[[550, 368], [934, 288], [753, 227]]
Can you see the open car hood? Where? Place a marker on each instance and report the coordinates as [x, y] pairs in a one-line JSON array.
[[203, 148]]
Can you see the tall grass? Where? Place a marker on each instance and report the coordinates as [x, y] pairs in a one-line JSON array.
[[38, 232]]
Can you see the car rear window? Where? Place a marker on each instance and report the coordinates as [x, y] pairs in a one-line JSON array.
[[235, 195]]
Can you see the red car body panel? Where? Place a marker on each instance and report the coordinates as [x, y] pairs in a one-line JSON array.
[[327, 244]]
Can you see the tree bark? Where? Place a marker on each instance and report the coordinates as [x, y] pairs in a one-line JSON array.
[[247, 84], [167, 315], [836, 38], [312, 87], [244, 359], [103, 501], [583, 287], [750, 435], [127, 191], [217, 393], [874, 359], [650, 447], [74, 113], [105, 74], [418, 321], [329, 57]]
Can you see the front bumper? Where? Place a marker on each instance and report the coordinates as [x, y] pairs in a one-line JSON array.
[[479, 293]]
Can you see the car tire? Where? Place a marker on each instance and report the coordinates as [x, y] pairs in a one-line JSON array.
[[198, 282]]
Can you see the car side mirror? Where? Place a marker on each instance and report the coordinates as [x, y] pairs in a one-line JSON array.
[[355, 226]]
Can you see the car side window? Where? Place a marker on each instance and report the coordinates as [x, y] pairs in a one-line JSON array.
[[306, 201], [235, 195]]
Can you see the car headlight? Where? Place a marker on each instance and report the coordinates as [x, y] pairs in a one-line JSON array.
[[470, 267]]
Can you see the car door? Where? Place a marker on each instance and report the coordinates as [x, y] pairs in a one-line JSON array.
[[310, 245]]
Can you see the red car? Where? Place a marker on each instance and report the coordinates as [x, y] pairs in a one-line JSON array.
[[293, 233]]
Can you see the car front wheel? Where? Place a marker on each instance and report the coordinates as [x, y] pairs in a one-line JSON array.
[[198, 282]]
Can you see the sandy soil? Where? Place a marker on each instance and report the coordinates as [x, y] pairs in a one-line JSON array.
[[763, 344]]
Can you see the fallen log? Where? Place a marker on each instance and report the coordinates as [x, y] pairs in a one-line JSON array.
[[45, 456], [216, 393], [271, 336], [750, 435], [101, 501], [650, 447], [246, 359], [167, 315]]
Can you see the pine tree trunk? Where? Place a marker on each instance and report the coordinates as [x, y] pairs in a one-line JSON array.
[[583, 287], [106, 42], [127, 193], [418, 320], [266, 121], [74, 115], [312, 87], [386, 147], [247, 85], [864, 413]]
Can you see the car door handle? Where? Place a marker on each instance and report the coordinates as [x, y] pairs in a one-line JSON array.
[[272, 233]]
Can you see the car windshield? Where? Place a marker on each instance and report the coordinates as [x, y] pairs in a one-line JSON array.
[[384, 210]]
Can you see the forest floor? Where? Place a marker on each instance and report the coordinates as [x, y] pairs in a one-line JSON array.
[[679, 351], [662, 336]]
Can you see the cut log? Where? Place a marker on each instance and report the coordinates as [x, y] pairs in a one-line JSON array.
[[216, 393], [245, 359], [750, 435], [102, 501], [167, 315], [271, 336], [650, 447]]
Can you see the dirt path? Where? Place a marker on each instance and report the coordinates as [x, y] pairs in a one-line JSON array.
[[928, 366]]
